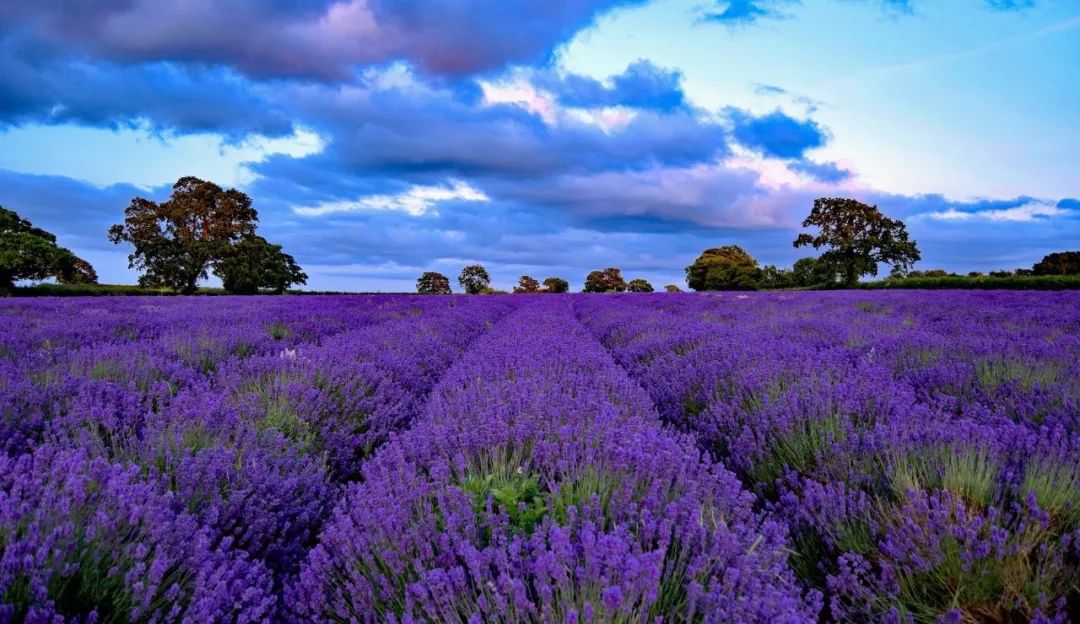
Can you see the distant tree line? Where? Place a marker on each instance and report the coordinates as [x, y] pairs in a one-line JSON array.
[[855, 238], [203, 229]]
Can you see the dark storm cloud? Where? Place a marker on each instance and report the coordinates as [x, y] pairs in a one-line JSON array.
[[319, 39]]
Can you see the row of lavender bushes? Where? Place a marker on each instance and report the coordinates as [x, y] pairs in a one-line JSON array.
[[539, 485], [922, 448], [169, 460]]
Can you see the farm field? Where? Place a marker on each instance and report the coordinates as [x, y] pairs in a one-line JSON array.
[[884, 456]]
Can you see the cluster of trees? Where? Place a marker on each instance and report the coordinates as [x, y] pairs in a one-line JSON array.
[[200, 229], [31, 253], [475, 280], [203, 229], [1058, 263], [857, 238]]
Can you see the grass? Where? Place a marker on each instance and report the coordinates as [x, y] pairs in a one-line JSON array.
[[971, 475], [1056, 486]]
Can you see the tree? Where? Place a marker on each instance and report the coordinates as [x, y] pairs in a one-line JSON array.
[[31, 253], [608, 280], [253, 264], [858, 237], [527, 285], [556, 285], [809, 271], [639, 285], [1060, 263], [177, 240], [432, 283], [724, 268], [672, 288], [774, 277], [474, 279], [78, 272]]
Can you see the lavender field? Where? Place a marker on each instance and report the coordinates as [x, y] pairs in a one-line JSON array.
[[760, 457]]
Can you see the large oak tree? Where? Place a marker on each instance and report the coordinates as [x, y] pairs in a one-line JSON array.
[[858, 237], [201, 228]]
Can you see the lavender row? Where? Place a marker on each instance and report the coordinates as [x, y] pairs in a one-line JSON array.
[[539, 485], [55, 349], [924, 449], [240, 462]]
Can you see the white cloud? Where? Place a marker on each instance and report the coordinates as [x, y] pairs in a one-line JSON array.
[[417, 200], [1025, 213]]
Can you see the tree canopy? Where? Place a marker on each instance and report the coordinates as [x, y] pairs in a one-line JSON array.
[[433, 283], [639, 285], [254, 263], [724, 268], [809, 271], [556, 285], [607, 280], [31, 253], [672, 288], [858, 237], [527, 285], [79, 272], [1060, 263], [474, 279]]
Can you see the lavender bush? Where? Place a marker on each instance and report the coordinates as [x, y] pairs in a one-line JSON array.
[[780, 457]]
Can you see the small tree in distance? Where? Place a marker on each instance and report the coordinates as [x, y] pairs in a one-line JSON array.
[[639, 285], [807, 272], [608, 280], [433, 283], [672, 288], [527, 285], [858, 237], [556, 285], [474, 279]]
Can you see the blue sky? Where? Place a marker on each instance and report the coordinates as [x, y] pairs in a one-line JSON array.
[[380, 138]]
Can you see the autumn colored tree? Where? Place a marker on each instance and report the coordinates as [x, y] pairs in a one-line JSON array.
[[474, 279], [31, 253], [253, 264], [1060, 263], [556, 285], [724, 268], [527, 285], [639, 285], [432, 283], [858, 237], [672, 288], [177, 240], [608, 280]]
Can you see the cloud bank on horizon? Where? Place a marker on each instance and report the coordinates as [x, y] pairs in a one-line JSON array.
[[381, 138]]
